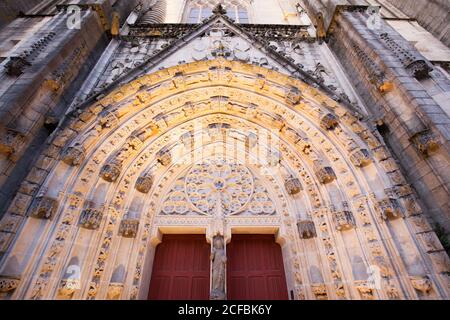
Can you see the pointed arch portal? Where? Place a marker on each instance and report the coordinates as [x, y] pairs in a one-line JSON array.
[[219, 148]]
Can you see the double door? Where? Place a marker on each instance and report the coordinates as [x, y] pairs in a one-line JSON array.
[[255, 270]]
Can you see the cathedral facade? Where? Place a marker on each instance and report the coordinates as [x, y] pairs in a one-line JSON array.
[[235, 149]]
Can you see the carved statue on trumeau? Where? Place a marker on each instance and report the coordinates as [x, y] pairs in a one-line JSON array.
[[219, 260]]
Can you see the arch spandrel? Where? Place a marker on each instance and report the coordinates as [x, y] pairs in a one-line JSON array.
[[337, 185]]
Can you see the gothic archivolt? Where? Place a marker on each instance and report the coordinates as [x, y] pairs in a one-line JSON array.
[[222, 146]]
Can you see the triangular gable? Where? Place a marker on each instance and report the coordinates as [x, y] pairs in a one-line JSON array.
[[176, 53]]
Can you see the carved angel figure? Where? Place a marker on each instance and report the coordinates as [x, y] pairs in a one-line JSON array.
[[219, 260]]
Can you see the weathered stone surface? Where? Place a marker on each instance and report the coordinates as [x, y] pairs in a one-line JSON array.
[[344, 220], [73, 156], [111, 171], [426, 142], [293, 186], [329, 121], [144, 183], [325, 174], [129, 228], [43, 208], [306, 229], [91, 218], [360, 158], [10, 140], [389, 208]]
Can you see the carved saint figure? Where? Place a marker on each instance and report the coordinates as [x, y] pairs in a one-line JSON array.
[[219, 260]]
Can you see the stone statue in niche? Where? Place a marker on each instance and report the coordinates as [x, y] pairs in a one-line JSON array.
[[219, 260]]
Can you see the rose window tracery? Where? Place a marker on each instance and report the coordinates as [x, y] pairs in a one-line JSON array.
[[219, 185]]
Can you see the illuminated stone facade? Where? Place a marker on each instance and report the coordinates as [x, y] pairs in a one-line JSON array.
[[221, 128]]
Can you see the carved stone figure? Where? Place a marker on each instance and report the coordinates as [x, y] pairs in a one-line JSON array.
[[91, 218], [16, 65], [421, 284], [344, 220], [164, 157], [9, 140], [365, 290], [389, 208], [144, 183], [219, 260], [324, 174], [293, 186], [8, 284], [68, 287], [111, 171], [426, 142], [320, 291], [114, 291], [381, 153], [129, 228], [306, 229], [293, 96], [329, 121], [44, 208], [360, 158], [251, 140]]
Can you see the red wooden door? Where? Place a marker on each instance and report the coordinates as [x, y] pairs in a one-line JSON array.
[[181, 269], [255, 269]]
